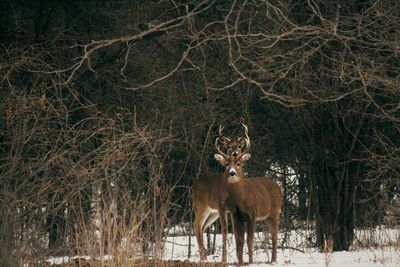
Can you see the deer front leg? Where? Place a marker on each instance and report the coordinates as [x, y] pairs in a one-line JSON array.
[[224, 225], [251, 228], [238, 228]]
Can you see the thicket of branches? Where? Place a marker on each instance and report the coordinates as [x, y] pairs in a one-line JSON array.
[[109, 110]]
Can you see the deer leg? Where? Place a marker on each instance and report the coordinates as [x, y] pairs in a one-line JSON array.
[[273, 225], [275, 231], [212, 217], [238, 227], [201, 217], [251, 228], [224, 225]]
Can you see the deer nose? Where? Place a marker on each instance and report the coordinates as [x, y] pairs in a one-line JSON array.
[[234, 154], [232, 173]]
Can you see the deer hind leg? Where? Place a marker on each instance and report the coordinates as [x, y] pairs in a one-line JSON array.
[[202, 215], [251, 228], [273, 225], [212, 217]]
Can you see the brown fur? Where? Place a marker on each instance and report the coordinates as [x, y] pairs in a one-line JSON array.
[[210, 191], [251, 200]]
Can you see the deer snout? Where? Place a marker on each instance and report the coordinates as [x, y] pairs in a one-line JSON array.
[[232, 173], [234, 154]]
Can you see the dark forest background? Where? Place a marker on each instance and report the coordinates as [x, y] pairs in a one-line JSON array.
[[109, 111]]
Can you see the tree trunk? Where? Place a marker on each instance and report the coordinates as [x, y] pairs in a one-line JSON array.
[[334, 218]]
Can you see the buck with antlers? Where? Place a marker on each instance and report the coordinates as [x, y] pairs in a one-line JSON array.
[[209, 194], [249, 201]]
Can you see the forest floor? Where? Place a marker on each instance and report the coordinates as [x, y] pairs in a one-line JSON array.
[[293, 256], [385, 251]]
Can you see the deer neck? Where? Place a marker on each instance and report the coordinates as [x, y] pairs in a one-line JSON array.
[[236, 193]]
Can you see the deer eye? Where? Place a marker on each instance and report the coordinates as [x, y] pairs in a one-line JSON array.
[[226, 164], [238, 164], [229, 147]]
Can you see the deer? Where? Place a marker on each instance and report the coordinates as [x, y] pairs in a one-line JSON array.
[[209, 194], [249, 201]]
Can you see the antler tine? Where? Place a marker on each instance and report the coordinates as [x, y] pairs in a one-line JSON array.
[[221, 128], [246, 138], [220, 135], [217, 146]]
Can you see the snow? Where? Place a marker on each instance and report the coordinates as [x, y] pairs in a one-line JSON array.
[[176, 248], [294, 255], [62, 260]]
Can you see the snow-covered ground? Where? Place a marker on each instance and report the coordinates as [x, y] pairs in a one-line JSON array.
[[294, 254], [176, 248]]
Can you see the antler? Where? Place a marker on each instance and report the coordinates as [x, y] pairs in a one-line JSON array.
[[220, 135], [246, 139], [225, 141]]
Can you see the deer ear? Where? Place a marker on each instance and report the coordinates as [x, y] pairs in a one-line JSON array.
[[219, 158], [245, 157]]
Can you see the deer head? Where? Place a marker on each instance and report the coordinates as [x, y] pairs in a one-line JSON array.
[[233, 165], [235, 147]]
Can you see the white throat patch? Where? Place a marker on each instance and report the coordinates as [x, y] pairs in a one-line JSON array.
[[233, 179]]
